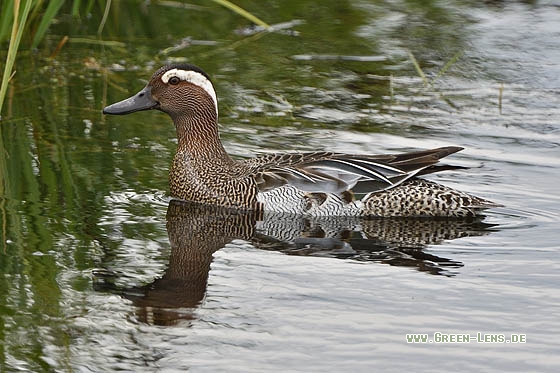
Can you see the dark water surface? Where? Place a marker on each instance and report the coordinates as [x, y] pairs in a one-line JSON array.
[[101, 272]]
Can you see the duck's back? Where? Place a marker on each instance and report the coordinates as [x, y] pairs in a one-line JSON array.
[[330, 184]]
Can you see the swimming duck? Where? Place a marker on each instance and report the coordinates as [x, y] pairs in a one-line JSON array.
[[314, 184]]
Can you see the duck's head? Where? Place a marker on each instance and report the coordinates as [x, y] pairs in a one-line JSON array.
[[180, 90]]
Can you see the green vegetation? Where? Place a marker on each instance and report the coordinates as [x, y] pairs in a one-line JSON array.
[[440, 73], [242, 12], [18, 25], [38, 15]]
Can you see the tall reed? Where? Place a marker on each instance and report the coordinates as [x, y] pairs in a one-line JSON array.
[[243, 13], [18, 25]]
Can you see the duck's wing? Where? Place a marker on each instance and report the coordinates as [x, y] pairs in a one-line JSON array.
[[323, 172]]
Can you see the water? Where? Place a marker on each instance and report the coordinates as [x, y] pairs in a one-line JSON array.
[[101, 273]]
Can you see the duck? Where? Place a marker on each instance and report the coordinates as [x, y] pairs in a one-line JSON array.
[[318, 183]]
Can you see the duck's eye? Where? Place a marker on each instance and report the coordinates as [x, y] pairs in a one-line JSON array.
[[174, 80]]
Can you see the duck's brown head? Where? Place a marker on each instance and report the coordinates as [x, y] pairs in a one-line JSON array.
[[180, 90]]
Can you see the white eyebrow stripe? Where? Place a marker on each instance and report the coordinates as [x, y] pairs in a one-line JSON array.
[[195, 78]]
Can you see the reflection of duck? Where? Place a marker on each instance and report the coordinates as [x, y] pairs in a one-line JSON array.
[[394, 241], [311, 184], [196, 231]]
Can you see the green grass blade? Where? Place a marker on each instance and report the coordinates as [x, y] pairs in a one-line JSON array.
[[76, 8], [7, 13], [89, 6], [104, 19], [242, 12], [447, 65], [500, 95], [107, 43], [17, 32], [46, 20], [418, 68]]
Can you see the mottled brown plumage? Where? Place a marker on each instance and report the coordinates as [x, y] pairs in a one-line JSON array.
[[318, 183]]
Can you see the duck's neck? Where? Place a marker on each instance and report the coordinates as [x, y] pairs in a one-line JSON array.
[[198, 137]]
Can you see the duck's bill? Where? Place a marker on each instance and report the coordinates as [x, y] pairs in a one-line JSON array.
[[143, 100]]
